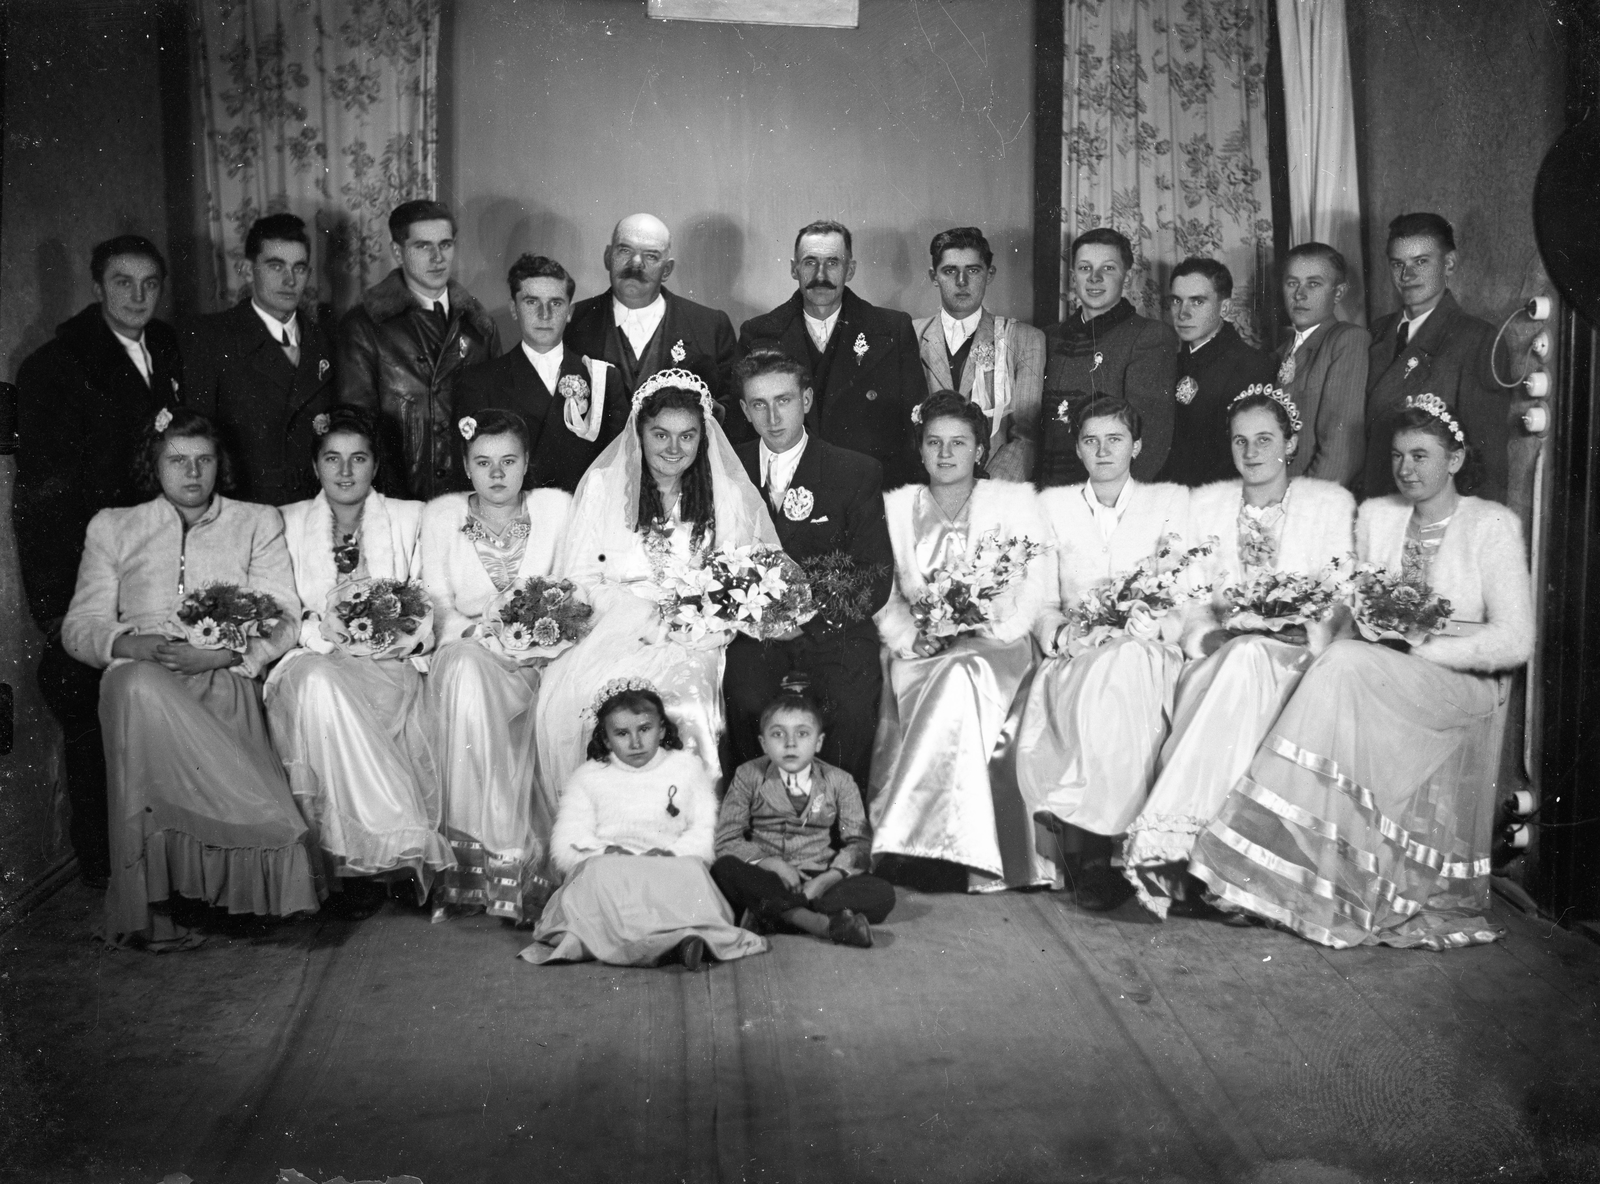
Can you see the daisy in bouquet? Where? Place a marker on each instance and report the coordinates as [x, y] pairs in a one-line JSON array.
[[755, 590], [224, 616], [535, 618], [378, 618], [1392, 610], [961, 598], [1285, 602], [1135, 601]]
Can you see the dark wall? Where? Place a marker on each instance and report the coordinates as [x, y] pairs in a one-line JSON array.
[[562, 116]]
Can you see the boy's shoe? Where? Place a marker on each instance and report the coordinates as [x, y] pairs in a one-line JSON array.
[[755, 923], [848, 928]]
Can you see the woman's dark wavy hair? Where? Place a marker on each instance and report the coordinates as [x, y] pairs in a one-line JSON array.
[[951, 405], [1109, 407], [349, 420], [696, 502], [496, 421], [1251, 402], [638, 701], [185, 424], [1415, 419]]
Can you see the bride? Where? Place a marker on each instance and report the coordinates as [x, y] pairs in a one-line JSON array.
[[668, 490]]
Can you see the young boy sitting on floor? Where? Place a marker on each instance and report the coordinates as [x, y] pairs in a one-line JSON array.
[[792, 840]]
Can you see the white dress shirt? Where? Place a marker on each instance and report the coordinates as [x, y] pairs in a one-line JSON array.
[[956, 332], [1415, 324], [442, 301], [639, 325], [548, 365], [777, 468], [139, 353], [1107, 517], [797, 783], [1194, 346], [1301, 336], [285, 333], [822, 330]]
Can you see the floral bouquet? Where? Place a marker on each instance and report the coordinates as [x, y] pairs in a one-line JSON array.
[[535, 618], [1154, 587], [841, 588], [961, 597], [378, 618], [1280, 602], [225, 616], [1391, 609], [756, 590]]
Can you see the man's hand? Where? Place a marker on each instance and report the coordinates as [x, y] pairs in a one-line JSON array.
[[818, 885], [782, 869], [182, 658], [659, 851]]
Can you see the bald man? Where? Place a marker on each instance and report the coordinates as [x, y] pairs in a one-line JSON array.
[[640, 327]]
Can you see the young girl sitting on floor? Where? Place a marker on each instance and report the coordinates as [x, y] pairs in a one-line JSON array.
[[632, 843]]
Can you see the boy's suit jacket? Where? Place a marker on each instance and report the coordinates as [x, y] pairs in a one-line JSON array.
[[1330, 389], [1014, 460], [757, 819]]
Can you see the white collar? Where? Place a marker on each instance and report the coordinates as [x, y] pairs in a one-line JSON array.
[[650, 314], [823, 326], [956, 331], [283, 332], [1301, 336], [547, 364], [1195, 347], [777, 468], [1116, 507], [443, 299], [1415, 323], [802, 779]]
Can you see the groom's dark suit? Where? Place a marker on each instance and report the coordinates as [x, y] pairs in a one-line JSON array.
[[510, 383], [846, 515]]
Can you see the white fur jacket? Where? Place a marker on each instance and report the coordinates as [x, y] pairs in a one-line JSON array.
[[1320, 527], [1083, 557], [389, 528], [451, 571], [1481, 568], [1010, 508], [611, 804]]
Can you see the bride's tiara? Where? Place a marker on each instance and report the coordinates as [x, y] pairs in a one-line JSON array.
[[684, 380], [1278, 397], [1435, 406], [615, 687]]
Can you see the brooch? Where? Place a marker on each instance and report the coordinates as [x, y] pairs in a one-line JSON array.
[[678, 352], [860, 347], [1098, 358], [1286, 371], [983, 355], [572, 386], [1411, 364], [672, 810], [322, 369], [1187, 390], [797, 503]]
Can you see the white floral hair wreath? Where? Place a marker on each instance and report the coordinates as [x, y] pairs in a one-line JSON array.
[[615, 687], [163, 419], [1435, 406], [686, 379], [1278, 397]]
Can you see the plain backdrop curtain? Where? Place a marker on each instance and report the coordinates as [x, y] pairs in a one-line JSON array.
[[1165, 138], [1319, 116], [322, 108]]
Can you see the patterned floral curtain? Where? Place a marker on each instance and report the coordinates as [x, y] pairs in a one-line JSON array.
[[1165, 139], [322, 108]]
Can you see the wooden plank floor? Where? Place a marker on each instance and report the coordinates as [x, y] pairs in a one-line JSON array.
[[1009, 1038]]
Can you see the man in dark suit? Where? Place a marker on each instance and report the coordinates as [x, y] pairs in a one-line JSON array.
[[263, 370], [84, 402], [640, 327], [1214, 365], [824, 499], [1323, 367], [1432, 347], [574, 406], [865, 368]]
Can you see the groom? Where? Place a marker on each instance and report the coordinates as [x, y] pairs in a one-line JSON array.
[[823, 499]]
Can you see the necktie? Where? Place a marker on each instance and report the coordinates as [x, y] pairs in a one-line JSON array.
[[771, 495], [149, 365], [441, 316], [1401, 336], [290, 349]]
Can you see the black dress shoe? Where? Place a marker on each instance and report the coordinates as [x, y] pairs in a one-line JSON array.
[[1100, 889], [691, 952], [849, 928]]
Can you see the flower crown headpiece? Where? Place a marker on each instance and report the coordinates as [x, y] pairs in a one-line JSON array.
[[1435, 406], [615, 687], [163, 420], [687, 379], [1278, 397]]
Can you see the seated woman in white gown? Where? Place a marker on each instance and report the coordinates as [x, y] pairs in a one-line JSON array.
[[351, 729], [481, 702], [1227, 700], [633, 844], [939, 790], [1099, 709], [199, 806], [668, 490], [1368, 812]]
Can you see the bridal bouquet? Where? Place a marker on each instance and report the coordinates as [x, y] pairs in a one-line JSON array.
[[961, 598], [1275, 601], [841, 588], [1390, 608], [225, 616], [1155, 586], [535, 618], [756, 590], [378, 618]]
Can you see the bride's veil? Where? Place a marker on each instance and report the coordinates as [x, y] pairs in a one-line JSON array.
[[608, 494]]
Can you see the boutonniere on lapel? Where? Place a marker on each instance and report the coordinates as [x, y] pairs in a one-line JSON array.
[[1098, 358], [983, 355], [797, 503], [572, 386], [1286, 371], [860, 347], [174, 388], [322, 368], [1187, 390], [1411, 364], [464, 346], [678, 352], [320, 423]]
